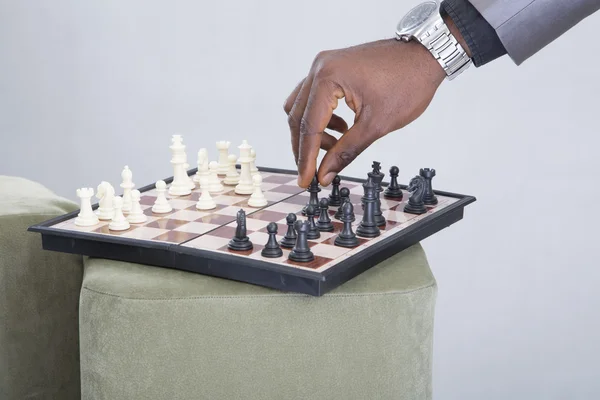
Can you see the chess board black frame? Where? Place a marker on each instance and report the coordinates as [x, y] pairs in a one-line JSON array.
[[228, 266]]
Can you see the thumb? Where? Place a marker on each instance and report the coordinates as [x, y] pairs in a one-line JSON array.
[[347, 148]]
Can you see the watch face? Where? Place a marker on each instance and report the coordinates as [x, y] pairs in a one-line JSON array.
[[417, 16]]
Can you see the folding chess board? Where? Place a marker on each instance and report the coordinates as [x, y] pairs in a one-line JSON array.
[[192, 240]]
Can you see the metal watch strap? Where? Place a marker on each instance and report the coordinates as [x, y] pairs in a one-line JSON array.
[[446, 49]]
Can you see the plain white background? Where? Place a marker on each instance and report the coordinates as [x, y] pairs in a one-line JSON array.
[[88, 87]]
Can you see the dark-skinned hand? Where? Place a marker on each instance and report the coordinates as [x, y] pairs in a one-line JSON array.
[[387, 83]]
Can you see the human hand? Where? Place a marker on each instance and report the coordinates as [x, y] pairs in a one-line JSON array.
[[388, 84]]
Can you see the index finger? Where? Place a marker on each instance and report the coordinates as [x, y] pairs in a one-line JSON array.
[[321, 103]]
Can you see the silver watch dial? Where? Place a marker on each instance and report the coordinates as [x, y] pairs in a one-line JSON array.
[[417, 16]]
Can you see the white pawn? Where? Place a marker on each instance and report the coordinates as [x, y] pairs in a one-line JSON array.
[[119, 222], [253, 169], [232, 178], [202, 165], [214, 183], [127, 185], [105, 193], [136, 215], [86, 216], [205, 202], [258, 198], [161, 205]]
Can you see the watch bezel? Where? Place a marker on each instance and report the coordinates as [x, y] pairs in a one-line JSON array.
[[406, 34]]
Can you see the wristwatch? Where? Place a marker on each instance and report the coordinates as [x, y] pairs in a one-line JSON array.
[[425, 25]]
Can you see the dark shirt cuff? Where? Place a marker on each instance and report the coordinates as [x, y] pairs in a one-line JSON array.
[[482, 39]]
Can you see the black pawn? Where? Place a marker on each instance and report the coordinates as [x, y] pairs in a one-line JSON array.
[[240, 242], [428, 198], [272, 249], [314, 190], [393, 191], [335, 199], [368, 226], [344, 195], [289, 240], [313, 232], [347, 238], [324, 223], [301, 252]]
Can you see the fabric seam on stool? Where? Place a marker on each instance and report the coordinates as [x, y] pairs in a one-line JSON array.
[[267, 296]]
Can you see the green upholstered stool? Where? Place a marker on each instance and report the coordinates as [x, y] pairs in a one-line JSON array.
[[154, 333], [39, 295]]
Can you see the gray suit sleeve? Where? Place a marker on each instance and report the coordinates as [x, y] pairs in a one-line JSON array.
[[527, 26]]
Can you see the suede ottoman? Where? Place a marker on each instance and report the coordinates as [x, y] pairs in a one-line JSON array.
[[154, 333], [39, 296]]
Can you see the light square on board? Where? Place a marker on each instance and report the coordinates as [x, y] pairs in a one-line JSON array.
[[207, 242], [329, 250], [259, 238], [144, 233], [286, 208], [70, 226]]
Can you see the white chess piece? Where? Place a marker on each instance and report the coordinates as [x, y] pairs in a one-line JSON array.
[[86, 216], [205, 202], [232, 177], [253, 169], [127, 185], [119, 222], [136, 215], [161, 205], [202, 165], [223, 148], [258, 198], [245, 185], [180, 185], [214, 183], [105, 193]]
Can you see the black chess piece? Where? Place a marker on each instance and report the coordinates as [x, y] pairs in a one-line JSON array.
[[324, 223], [347, 238], [313, 232], [393, 190], [272, 249], [301, 252], [335, 199], [368, 226], [344, 195], [314, 190], [415, 201], [429, 198], [289, 240], [377, 177], [241, 241]]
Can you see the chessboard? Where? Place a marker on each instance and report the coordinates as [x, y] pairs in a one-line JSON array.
[[275, 234]]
